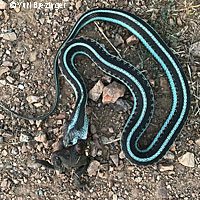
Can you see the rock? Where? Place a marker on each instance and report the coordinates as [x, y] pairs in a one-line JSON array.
[[197, 142], [169, 156], [118, 40], [17, 9], [115, 197], [122, 105], [65, 12], [132, 40], [77, 16], [3, 70], [93, 168], [161, 191], [25, 138], [4, 153], [187, 159], [107, 79], [1, 116], [10, 36], [93, 129], [4, 183], [24, 149], [57, 145], [179, 22], [121, 155], [33, 56], [171, 21], [32, 99], [1, 52], [115, 159], [37, 105], [10, 79], [166, 168], [164, 83], [104, 140], [1, 139], [59, 122], [120, 175], [42, 20], [41, 138], [78, 4], [3, 5], [96, 91], [93, 149], [2, 82], [138, 179], [195, 49], [112, 92], [14, 151], [7, 64], [6, 16], [61, 116], [20, 86], [153, 16]]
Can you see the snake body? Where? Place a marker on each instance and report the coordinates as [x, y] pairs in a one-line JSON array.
[[130, 76]]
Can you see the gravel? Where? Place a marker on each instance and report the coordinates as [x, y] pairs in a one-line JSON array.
[[29, 40]]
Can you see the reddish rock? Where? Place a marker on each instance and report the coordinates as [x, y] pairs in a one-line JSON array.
[[132, 40], [112, 92]]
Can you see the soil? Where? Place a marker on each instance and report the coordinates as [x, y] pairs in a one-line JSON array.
[[40, 32]]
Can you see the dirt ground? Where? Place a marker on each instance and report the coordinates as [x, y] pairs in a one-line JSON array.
[[27, 60]]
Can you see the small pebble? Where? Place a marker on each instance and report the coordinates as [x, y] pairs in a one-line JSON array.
[[3, 5], [121, 155], [96, 91], [93, 129], [7, 64], [17, 9], [132, 40], [198, 142], [179, 22], [195, 49], [115, 197], [10, 36], [3, 70], [1, 139], [25, 138], [93, 168], [32, 99], [10, 79], [21, 87], [169, 156], [33, 56], [166, 168], [41, 138], [118, 40], [187, 159], [138, 179], [4, 153], [115, 159], [78, 4], [1, 116], [37, 105]]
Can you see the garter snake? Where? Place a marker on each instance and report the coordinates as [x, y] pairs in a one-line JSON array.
[[130, 76]]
